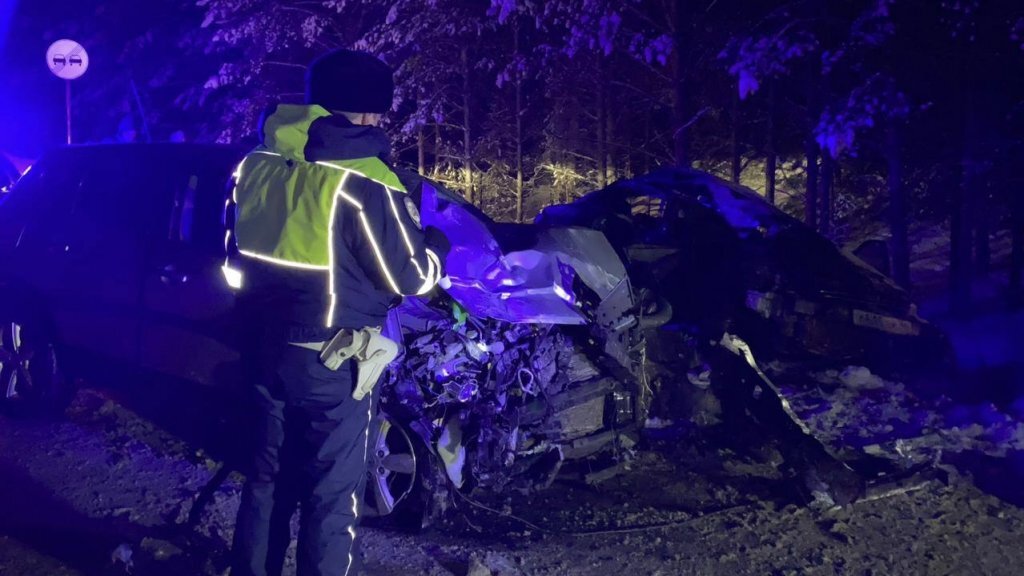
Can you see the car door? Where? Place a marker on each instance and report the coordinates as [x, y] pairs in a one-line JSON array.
[[32, 222], [80, 249], [108, 243], [189, 309]]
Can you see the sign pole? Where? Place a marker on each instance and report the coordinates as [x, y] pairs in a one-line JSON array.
[[67, 106], [67, 60]]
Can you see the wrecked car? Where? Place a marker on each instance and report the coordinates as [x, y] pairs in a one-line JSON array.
[[542, 350], [522, 365], [734, 261], [556, 341]]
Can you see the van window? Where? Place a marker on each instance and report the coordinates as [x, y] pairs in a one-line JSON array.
[[117, 202], [183, 211], [197, 212], [41, 203]]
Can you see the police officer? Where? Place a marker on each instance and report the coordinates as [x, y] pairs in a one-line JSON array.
[[323, 238]]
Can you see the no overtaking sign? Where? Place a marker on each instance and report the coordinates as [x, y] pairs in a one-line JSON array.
[[67, 59]]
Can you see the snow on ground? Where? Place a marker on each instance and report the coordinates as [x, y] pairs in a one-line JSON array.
[[106, 486], [106, 480], [887, 419]]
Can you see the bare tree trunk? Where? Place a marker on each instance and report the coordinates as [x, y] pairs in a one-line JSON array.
[[437, 150], [825, 189], [960, 245], [1017, 251], [769, 166], [982, 230], [602, 124], [737, 158], [961, 217], [519, 129], [811, 196], [421, 149], [575, 144], [897, 207], [609, 135], [811, 148], [467, 150], [681, 153], [647, 139]]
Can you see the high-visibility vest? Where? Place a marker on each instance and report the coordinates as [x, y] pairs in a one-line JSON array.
[[284, 208]]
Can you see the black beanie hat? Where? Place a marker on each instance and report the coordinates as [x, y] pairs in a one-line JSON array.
[[350, 81]]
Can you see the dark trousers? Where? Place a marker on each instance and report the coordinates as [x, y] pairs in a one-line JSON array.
[[310, 442]]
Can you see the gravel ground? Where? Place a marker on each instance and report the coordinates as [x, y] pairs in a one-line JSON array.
[[105, 488]]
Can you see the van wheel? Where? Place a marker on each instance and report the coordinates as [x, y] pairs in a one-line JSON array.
[[31, 378]]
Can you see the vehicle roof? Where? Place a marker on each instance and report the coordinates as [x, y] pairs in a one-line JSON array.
[[741, 207], [190, 154]]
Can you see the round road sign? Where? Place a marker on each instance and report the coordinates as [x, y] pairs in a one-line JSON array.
[[67, 59]]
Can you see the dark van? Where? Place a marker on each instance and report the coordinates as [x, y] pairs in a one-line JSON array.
[[109, 250]]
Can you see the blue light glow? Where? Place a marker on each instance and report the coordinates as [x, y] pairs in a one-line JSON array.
[[7, 8]]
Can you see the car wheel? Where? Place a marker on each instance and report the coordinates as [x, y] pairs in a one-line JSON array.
[[391, 467], [30, 374]]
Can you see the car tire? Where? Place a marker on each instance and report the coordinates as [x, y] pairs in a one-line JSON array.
[[32, 378]]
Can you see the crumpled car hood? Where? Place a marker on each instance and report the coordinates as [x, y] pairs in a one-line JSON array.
[[533, 283]]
